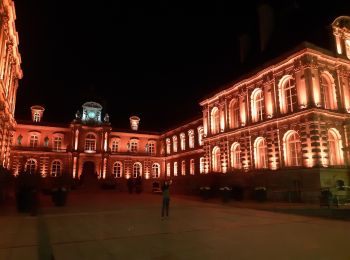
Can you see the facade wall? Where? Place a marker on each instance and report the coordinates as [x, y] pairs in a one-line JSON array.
[[291, 115], [72, 152], [183, 150], [10, 73]]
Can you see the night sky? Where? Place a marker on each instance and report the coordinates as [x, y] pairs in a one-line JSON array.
[[153, 60]]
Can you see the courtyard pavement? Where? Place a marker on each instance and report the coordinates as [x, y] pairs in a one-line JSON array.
[[112, 225]]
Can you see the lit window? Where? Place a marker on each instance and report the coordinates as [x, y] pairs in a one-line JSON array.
[[36, 117], [30, 166], [168, 169], [175, 168], [234, 113], [137, 169], [175, 143], [117, 169], [168, 145], [191, 138], [57, 143], [90, 143], [257, 105], [288, 95], [56, 168], [155, 170], [151, 148], [215, 121], [292, 148], [236, 156], [216, 159], [335, 146], [347, 48], [260, 152], [200, 135], [192, 166], [328, 96], [201, 165], [133, 146], [183, 141], [115, 145], [34, 140], [183, 168]]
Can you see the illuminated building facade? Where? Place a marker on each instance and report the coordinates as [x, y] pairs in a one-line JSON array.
[[87, 145], [285, 126], [10, 73]]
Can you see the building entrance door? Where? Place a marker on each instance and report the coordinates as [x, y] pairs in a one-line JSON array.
[[88, 174]]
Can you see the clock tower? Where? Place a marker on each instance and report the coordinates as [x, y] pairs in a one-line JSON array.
[[91, 113]]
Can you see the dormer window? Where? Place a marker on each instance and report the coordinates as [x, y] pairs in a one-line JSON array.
[[36, 117], [341, 32], [37, 113]]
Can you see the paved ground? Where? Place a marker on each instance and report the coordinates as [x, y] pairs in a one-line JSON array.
[[113, 225]]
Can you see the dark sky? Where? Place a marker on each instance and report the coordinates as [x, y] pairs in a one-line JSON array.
[[154, 60]]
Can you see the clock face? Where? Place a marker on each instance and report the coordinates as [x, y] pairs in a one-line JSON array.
[[91, 114]]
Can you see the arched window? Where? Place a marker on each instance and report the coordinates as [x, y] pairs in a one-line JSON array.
[[236, 156], [200, 135], [191, 138], [183, 141], [155, 170], [168, 145], [115, 145], [34, 140], [175, 168], [57, 143], [292, 148], [216, 159], [234, 113], [137, 170], [215, 120], [168, 169], [117, 169], [90, 143], [288, 95], [183, 168], [175, 143], [201, 165], [56, 168], [328, 95], [335, 146], [260, 152], [192, 166], [30, 166], [257, 103], [347, 48]]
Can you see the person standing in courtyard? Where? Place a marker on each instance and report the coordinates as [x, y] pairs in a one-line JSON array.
[[166, 198]]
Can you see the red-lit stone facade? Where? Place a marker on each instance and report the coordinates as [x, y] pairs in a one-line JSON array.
[[10, 73], [91, 144], [87, 144], [285, 126]]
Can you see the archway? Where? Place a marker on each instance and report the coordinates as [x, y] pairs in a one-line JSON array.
[[88, 171]]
